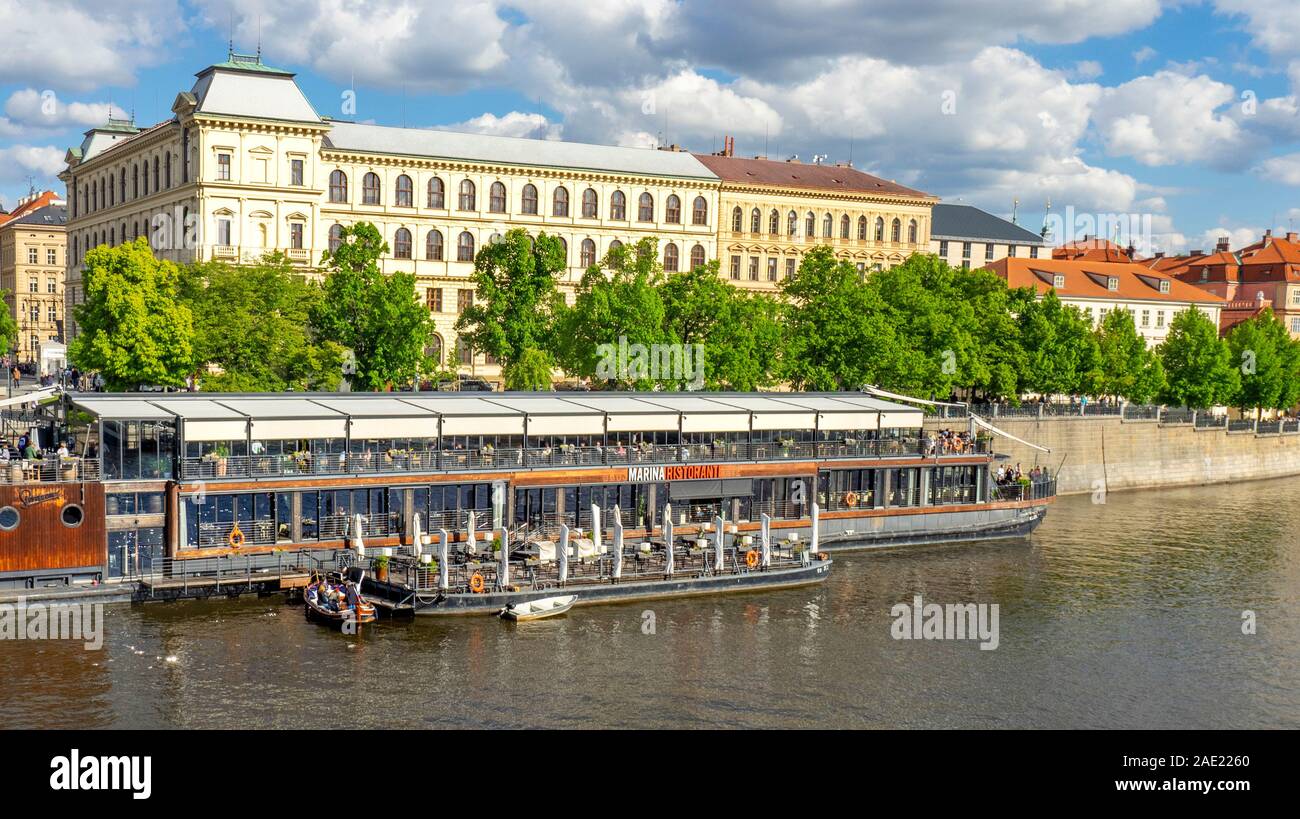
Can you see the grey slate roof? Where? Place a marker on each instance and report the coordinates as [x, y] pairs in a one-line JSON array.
[[969, 222], [420, 142], [48, 216]]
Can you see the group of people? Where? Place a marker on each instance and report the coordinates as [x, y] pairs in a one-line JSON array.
[[69, 377], [1009, 476], [947, 442], [330, 596], [27, 449]]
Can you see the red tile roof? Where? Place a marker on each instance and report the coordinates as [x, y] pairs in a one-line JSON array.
[[803, 175], [1085, 279], [46, 198]]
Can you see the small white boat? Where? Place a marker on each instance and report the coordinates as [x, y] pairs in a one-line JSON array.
[[538, 609]]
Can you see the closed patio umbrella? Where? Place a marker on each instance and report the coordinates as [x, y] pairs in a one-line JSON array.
[[719, 525], [668, 538], [765, 540], [618, 544], [562, 556], [444, 547]]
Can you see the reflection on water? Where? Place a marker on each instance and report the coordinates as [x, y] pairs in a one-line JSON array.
[[1121, 615]]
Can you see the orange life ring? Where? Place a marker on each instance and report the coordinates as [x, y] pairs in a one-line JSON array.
[[751, 558], [235, 538], [850, 499], [476, 583]]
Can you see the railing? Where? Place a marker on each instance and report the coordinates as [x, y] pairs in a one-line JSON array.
[[232, 570], [1205, 420], [49, 470], [1241, 425], [1268, 428], [1177, 415], [1040, 489], [1141, 412]]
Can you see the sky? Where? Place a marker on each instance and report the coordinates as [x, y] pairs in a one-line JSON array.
[[1182, 116]]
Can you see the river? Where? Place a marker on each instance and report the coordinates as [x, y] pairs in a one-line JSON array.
[[1126, 614]]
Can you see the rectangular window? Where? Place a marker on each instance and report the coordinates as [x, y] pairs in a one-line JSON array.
[[1011, 251], [771, 269], [51, 285], [52, 314], [51, 256], [988, 252], [295, 235], [223, 232], [735, 267], [1160, 318], [464, 300], [295, 172], [1295, 325], [433, 298], [753, 268], [943, 249], [1033, 251], [32, 285], [223, 167], [789, 267], [1295, 297], [965, 251], [1146, 318], [31, 255]]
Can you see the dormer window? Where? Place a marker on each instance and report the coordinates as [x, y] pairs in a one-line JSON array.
[[1164, 286], [1112, 283], [1058, 280]]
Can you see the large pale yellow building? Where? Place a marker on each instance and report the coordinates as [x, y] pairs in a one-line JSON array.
[[246, 165], [31, 273]]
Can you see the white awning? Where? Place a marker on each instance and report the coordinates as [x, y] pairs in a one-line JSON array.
[[715, 422], [298, 428], [784, 420], [119, 408], [483, 425], [215, 430], [832, 421], [566, 425], [659, 422], [421, 426], [890, 420]]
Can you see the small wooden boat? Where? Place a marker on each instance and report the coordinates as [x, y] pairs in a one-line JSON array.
[[352, 607], [539, 609]]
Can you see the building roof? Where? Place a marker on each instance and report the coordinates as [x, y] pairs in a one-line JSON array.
[[836, 178], [428, 143], [1090, 280], [248, 89], [50, 216], [969, 222], [30, 205]]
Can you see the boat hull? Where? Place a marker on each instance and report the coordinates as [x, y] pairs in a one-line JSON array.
[[589, 594]]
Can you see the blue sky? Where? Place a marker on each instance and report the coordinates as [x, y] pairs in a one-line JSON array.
[[1185, 112]]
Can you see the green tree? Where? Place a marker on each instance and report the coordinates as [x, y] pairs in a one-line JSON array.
[[516, 300], [133, 327], [1267, 360], [1059, 345], [618, 299], [378, 317], [1126, 367], [1197, 363], [837, 336], [8, 327], [252, 322]]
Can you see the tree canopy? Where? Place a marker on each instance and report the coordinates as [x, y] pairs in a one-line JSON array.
[[1267, 360], [1126, 367], [1197, 363]]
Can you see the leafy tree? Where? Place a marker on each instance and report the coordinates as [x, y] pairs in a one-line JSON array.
[[8, 327], [1126, 368], [378, 317], [133, 327], [837, 336], [1060, 348], [616, 299], [516, 304], [1197, 363], [252, 321], [1267, 360]]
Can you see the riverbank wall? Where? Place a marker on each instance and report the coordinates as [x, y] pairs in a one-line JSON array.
[[1110, 453]]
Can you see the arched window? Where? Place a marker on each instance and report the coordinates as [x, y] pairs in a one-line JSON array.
[[670, 258], [404, 192], [135, 181], [697, 256], [167, 169], [792, 223], [112, 237], [700, 211], [615, 245], [862, 228], [590, 204], [673, 210], [528, 202], [828, 226], [402, 244], [645, 208], [467, 200], [618, 206], [370, 189], [434, 350], [897, 231], [338, 186], [587, 253], [465, 247], [564, 247], [437, 193], [111, 194], [880, 228], [144, 189], [774, 222], [755, 221], [844, 226], [737, 219], [497, 198], [560, 201], [911, 231], [122, 186], [433, 246], [155, 175], [336, 237], [810, 225]]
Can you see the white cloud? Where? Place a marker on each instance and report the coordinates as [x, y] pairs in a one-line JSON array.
[[17, 162], [1284, 169], [513, 124], [67, 44], [29, 112], [1143, 54], [1086, 70], [1169, 117]]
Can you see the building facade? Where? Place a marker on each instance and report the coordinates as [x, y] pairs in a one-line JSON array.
[[772, 212], [32, 265], [965, 236], [1097, 288]]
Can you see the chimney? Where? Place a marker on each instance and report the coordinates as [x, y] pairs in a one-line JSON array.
[[1290, 236], [729, 146], [1160, 254]]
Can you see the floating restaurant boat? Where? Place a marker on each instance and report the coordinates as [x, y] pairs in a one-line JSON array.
[[658, 494]]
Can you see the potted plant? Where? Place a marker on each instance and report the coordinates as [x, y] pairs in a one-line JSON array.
[[219, 454], [381, 568], [496, 544]]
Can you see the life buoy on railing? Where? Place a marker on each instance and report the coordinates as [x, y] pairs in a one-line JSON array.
[[751, 558], [476, 583], [851, 499], [235, 538]]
